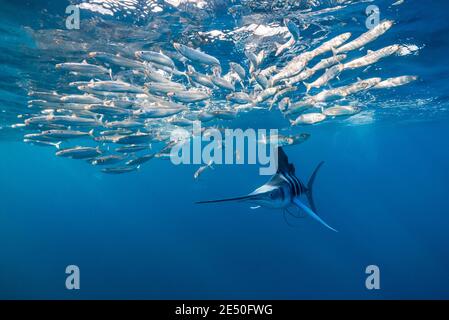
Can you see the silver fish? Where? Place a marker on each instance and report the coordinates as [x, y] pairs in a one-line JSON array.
[[365, 38], [282, 47], [358, 86], [154, 76], [304, 75], [331, 44], [116, 132], [201, 169], [64, 120], [372, 57], [52, 96], [262, 81], [308, 118], [239, 98], [79, 152], [39, 137], [340, 111], [156, 57], [119, 170], [108, 110], [196, 55], [44, 104], [157, 112], [43, 143], [117, 60], [293, 68], [114, 86], [222, 83], [132, 148], [298, 138], [140, 160], [330, 74], [205, 116], [239, 70], [128, 123], [281, 95], [190, 96], [83, 68], [67, 134], [224, 114], [329, 62], [164, 88], [267, 93], [107, 160], [200, 78], [136, 138], [395, 82], [81, 99], [181, 122]]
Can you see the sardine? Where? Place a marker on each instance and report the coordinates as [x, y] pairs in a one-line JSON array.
[[81, 99], [132, 148], [140, 160], [196, 55], [395, 82], [190, 96], [119, 170], [155, 57], [365, 38], [136, 138], [239, 98], [372, 57], [107, 160], [340, 111], [79, 152], [308, 118], [83, 68], [239, 70], [117, 60], [330, 74]]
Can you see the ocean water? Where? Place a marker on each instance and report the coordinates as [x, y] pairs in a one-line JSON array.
[[141, 235]]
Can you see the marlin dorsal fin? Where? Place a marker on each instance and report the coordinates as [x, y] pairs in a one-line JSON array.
[[283, 165]]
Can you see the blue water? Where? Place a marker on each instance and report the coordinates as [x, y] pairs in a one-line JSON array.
[[140, 235]]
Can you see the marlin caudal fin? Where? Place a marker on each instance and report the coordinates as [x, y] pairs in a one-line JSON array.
[[311, 213], [247, 197], [309, 191]]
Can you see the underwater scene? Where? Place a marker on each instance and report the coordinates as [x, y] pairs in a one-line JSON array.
[[224, 149]]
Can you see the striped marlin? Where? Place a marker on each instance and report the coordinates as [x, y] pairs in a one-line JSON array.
[[283, 191]]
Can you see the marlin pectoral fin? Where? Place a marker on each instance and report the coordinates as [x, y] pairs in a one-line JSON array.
[[311, 213]]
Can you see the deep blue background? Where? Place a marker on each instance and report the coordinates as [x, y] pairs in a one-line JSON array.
[[384, 187]]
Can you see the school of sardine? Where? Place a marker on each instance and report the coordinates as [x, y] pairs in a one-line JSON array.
[[122, 116]]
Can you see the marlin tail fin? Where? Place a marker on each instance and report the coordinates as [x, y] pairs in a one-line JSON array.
[[309, 191]]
